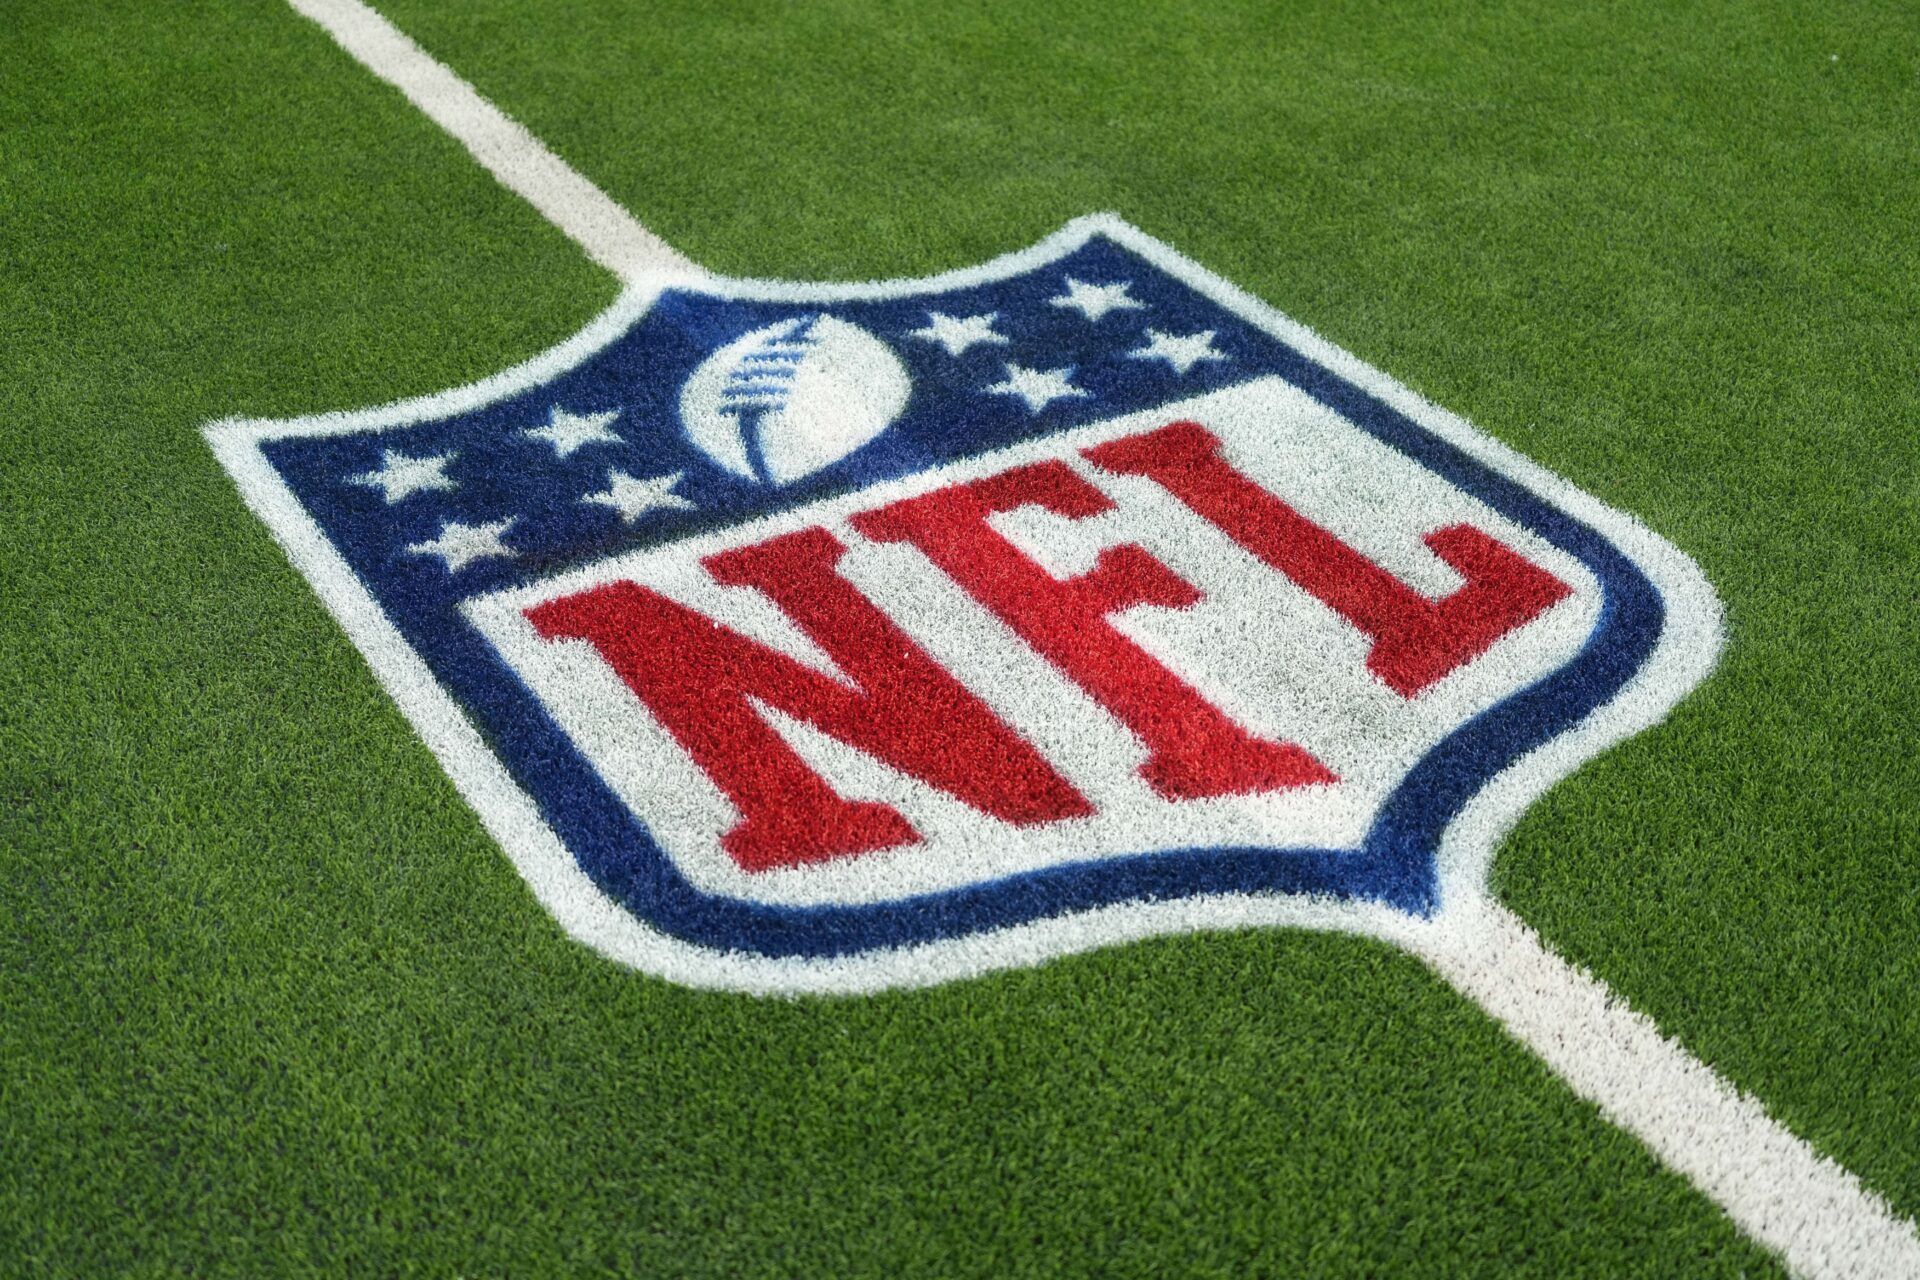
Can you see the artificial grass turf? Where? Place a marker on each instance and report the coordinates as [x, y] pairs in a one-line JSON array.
[[1665, 250], [274, 1004]]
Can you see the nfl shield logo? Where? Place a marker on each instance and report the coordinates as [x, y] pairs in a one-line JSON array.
[[823, 638]]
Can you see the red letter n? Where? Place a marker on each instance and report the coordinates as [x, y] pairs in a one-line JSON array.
[[701, 680]]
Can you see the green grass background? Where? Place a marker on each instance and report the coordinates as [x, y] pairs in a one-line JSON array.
[[271, 1002]]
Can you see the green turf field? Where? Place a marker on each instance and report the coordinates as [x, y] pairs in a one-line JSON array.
[[271, 1002]]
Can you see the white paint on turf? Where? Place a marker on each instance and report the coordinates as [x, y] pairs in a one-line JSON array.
[[610, 235], [1815, 1214], [785, 401], [1777, 1188]]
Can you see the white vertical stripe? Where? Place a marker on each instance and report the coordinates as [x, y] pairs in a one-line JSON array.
[[1813, 1213], [611, 236]]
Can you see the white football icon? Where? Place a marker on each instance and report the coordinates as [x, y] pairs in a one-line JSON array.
[[784, 401]]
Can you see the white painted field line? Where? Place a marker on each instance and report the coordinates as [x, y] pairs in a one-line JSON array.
[[610, 235], [1778, 1189], [1817, 1216]]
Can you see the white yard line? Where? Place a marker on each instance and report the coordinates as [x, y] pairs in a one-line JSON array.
[[611, 236], [1777, 1188]]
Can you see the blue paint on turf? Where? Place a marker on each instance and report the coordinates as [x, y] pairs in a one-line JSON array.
[[501, 472]]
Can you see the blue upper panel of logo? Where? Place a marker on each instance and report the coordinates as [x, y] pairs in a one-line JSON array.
[[502, 471], [517, 470]]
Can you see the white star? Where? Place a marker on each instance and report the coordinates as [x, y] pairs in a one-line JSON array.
[[1095, 300], [397, 476], [1038, 388], [957, 333], [633, 498], [461, 544], [1181, 353], [569, 431]]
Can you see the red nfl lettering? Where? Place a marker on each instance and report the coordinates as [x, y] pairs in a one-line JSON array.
[[699, 679], [900, 706]]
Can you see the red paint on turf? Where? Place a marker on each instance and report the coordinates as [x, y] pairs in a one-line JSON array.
[[1195, 750], [899, 706], [1416, 641], [700, 680]]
